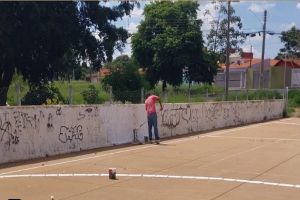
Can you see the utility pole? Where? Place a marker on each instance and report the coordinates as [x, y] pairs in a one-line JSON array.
[[261, 78], [227, 51]]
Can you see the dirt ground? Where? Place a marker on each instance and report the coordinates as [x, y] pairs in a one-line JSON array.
[[259, 161]]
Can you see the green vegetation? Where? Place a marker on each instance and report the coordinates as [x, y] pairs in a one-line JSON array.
[[45, 94], [125, 80], [166, 49], [294, 103], [91, 95], [46, 40], [218, 30], [294, 98], [181, 94], [77, 87]]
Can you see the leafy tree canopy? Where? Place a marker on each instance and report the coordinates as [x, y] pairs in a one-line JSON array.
[[39, 39], [291, 41], [169, 40], [125, 79], [216, 39]]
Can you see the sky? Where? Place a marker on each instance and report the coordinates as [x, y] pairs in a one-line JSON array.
[[281, 16]]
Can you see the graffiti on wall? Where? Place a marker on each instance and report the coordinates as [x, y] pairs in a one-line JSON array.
[[16, 124], [8, 136], [193, 117], [178, 114], [72, 133]]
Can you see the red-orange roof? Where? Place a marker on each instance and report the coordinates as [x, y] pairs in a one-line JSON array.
[[245, 63]]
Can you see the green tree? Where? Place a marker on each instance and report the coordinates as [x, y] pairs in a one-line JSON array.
[[38, 95], [91, 95], [291, 41], [216, 39], [125, 79], [41, 40], [197, 73], [168, 41]]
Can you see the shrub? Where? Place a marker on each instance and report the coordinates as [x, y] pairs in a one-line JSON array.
[[91, 95], [38, 95]]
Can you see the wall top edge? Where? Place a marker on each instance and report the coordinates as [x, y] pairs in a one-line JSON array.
[[129, 105]]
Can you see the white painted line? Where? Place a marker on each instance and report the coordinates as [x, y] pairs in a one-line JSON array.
[[162, 176], [138, 148], [255, 138], [287, 123], [215, 133], [287, 119], [77, 160]]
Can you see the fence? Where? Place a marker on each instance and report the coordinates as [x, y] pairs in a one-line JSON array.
[[73, 95]]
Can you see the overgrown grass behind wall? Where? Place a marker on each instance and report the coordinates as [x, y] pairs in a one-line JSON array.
[[77, 87], [198, 93]]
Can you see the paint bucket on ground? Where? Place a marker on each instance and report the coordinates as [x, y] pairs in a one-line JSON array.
[[112, 173]]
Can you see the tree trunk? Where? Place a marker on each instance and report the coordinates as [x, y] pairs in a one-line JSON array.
[[5, 80]]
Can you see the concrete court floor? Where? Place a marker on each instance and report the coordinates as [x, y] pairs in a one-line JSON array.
[[258, 161]]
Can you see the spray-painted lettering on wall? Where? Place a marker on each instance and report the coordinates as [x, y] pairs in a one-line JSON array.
[[70, 134], [7, 135]]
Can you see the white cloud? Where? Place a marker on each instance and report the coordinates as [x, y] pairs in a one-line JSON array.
[[126, 51], [286, 27], [137, 12], [260, 7], [132, 28], [298, 5], [207, 18]]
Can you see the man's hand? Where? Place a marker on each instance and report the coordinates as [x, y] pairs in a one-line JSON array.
[[161, 107]]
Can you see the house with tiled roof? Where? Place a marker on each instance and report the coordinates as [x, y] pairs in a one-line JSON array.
[[245, 73]]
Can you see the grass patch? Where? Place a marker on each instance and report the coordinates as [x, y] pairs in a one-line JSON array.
[[77, 87]]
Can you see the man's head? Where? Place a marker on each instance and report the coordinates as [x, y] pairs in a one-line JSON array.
[[147, 94]]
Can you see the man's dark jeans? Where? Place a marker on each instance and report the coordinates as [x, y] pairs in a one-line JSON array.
[[152, 121]]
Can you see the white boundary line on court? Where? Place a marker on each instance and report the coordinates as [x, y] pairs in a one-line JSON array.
[[255, 138], [157, 176], [287, 123], [233, 129]]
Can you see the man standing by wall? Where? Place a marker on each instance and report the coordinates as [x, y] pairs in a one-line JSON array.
[[152, 116]]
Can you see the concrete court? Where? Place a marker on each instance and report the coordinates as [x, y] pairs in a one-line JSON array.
[[259, 161]]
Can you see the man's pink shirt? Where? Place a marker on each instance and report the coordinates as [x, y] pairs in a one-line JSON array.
[[150, 104]]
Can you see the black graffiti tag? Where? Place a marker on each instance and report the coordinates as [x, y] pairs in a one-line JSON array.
[[7, 135], [70, 133], [50, 121], [24, 120]]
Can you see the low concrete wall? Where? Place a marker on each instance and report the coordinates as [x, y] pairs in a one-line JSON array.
[[29, 132]]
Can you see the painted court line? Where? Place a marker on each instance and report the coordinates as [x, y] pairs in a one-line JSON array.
[[255, 138], [162, 176], [138, 148], [287, 123]]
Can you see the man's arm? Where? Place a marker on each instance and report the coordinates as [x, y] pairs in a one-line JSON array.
[[161, 107]]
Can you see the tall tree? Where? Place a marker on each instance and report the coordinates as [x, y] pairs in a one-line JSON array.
[[216, 39], [168, 41], [125, 79], [291, 41], [40, 39]]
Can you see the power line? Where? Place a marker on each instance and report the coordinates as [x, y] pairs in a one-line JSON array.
[[256, 16]]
